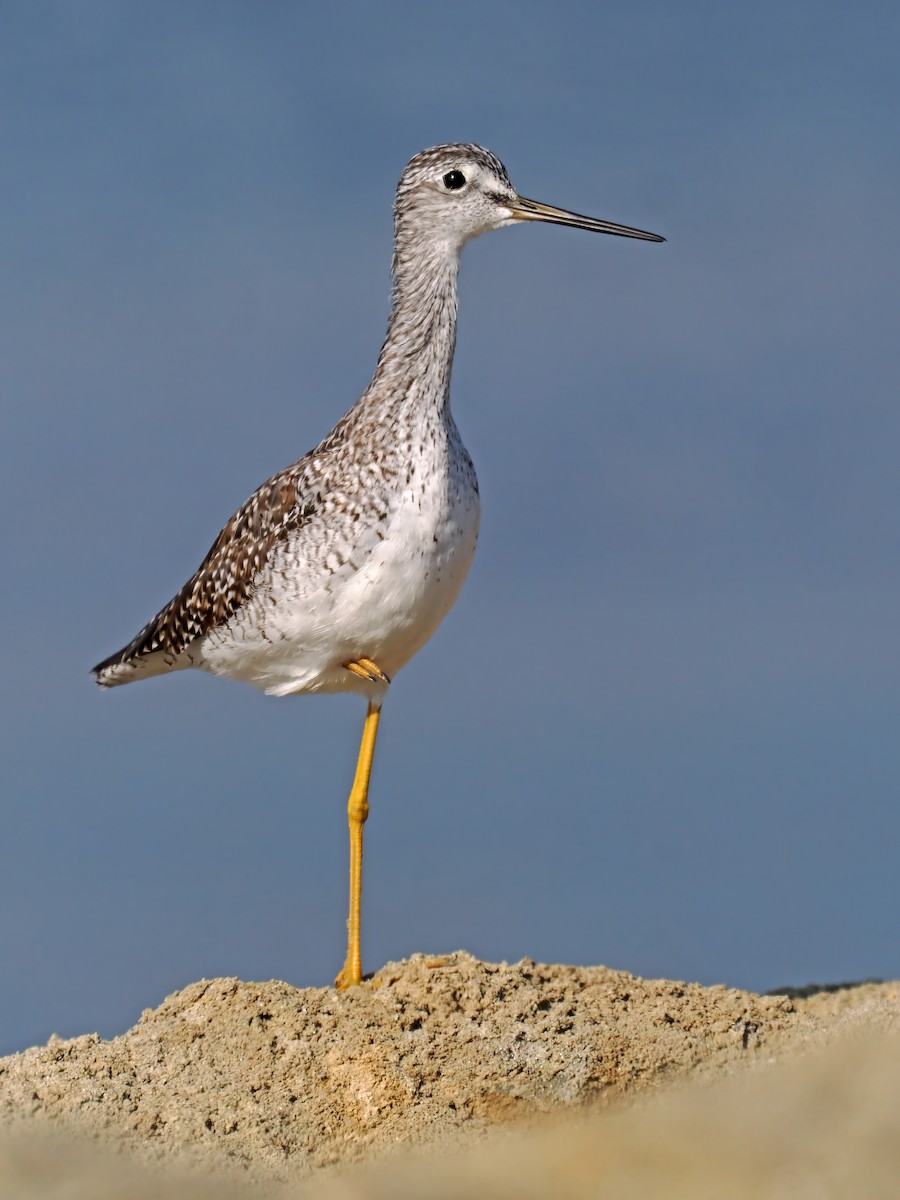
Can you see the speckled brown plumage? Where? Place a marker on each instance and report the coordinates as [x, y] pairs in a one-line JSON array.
[[225, 578]]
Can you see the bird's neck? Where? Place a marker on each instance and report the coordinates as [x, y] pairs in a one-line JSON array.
[[417, 356]]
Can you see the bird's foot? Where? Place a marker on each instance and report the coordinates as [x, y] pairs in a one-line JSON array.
[[364, 668], [347, 978]]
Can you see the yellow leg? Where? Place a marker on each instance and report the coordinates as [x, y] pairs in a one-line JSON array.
[[357, 811]]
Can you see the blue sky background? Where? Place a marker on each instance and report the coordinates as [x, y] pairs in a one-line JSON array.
[[659, 731]]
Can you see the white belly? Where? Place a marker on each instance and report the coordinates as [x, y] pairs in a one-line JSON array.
[[391, 607], [382, 602]]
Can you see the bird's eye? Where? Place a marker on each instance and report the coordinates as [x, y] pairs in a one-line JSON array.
[[454, 180]]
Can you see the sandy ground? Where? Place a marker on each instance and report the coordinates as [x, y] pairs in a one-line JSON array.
[[449, 1077]]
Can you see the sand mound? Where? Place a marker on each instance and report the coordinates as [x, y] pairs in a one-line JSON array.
[[281, 1081], [824, 1125]]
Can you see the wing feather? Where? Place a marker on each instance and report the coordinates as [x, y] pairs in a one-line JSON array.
[[223, 581]]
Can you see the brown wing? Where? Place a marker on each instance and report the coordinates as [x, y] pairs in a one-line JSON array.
[[225, 577]]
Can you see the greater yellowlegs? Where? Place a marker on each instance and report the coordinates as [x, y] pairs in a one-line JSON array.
[[338, 569]]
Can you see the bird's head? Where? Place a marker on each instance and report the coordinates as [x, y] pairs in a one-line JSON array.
[[448, 194]]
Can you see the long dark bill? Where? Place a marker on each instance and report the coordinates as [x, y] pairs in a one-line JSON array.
[[529, 210]]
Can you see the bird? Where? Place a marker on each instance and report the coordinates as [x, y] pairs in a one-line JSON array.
[[339, 568]]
